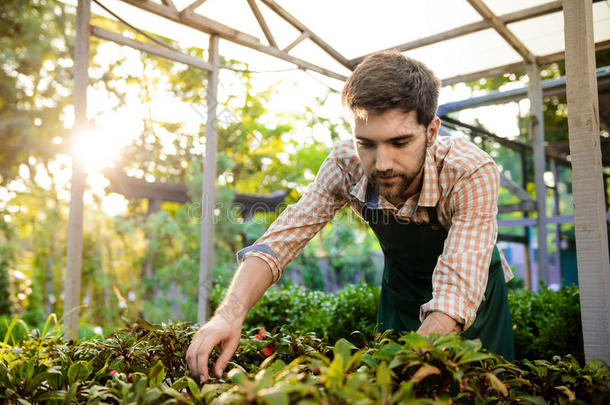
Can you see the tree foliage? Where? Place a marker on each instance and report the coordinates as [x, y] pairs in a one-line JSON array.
[[35, 80]]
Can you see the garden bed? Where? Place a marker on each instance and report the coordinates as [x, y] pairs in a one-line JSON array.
[[145, 364]]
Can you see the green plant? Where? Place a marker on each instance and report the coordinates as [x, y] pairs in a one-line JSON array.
[[5, 302], [547, 323], [145, 364], [331, 316]]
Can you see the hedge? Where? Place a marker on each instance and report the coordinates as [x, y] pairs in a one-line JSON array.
[[545, 324]]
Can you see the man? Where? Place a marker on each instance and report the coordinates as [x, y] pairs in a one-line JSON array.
[[432, 203]]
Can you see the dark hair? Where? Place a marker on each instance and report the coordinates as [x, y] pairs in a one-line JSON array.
[[388, 80]]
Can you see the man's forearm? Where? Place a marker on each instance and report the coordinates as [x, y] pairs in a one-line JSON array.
[[438, 322], [252, 279]]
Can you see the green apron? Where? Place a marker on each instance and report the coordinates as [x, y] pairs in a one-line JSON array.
[[411, 251]]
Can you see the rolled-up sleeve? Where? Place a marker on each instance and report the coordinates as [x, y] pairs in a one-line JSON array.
[[460, 276], [299, 222]]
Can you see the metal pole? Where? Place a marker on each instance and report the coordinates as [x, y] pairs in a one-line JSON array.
[[208, 198], [585, 151], [556, 213], [526, 247], [537, 134], [74, 252]]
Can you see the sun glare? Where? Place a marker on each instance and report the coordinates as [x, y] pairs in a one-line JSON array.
[[95, 150], [114, 204]]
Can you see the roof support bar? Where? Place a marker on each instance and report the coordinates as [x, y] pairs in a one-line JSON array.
[[209, 26], [515, 67], [151, 49], [520, 15], [169, 3], [300, 38], [301, 27], [550, 87], [194, 5], [504, 32], [263, 24]]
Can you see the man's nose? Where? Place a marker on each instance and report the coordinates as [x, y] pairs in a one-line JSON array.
[[384, 161]]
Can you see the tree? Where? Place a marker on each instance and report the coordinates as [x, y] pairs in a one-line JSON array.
[[35, 81]]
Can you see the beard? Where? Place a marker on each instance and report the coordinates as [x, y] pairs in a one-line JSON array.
[[397, 190]]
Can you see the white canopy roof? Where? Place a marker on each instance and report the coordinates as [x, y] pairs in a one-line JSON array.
[[356, 28]]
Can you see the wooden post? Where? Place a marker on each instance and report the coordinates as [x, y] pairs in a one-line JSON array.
[[556, 213], [208, 198], [74, 252], [537, 134], [589, 211]]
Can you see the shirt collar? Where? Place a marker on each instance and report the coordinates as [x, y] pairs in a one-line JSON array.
[[428, 196], [358, 191]]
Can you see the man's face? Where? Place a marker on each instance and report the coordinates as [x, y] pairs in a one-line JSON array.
[[391, 147]]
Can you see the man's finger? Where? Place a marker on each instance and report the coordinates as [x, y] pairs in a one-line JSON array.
[[203, 354], [228, 348], [191, 354]]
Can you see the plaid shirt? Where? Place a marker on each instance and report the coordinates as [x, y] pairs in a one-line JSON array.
[[459, 179]]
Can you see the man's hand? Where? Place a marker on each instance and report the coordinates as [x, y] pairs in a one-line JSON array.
[[217, 330], [438, 322], [250, 282]]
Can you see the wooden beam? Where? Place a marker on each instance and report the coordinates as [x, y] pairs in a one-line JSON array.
[[495, 71], [559, 56], [304, 35], [512, 238], [551, 87], [206, 25], [516, 16], [262, 23], [208, 197], [194, 5], [514, 67], [523, 206], [209, 26], [560, 219], [515, 188], [536, 132], [503, 30], [589, 207], [151, 49], [132, 187], [74, 254], [169, 3], [302, 28], [155, 8]]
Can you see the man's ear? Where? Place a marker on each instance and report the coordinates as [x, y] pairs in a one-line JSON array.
[[433, 129]]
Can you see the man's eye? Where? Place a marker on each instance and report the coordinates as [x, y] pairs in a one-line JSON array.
[[365, 145], [399, 144]]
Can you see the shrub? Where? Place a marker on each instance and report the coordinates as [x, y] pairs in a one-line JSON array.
[[547, 323], [328, 315], [145, 364]]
